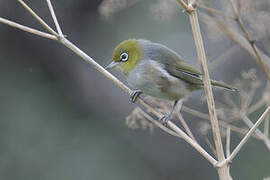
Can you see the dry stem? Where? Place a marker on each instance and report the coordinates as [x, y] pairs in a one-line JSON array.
[[54, 18], [247, 136], [45, 25], [206, 80], [250, 40], [228, 142], [27, 29], [193, 16]]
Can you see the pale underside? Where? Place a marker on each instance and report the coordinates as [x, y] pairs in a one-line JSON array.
[[150, 77]]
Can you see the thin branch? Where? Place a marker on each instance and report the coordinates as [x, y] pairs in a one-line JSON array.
[[266, 122], [210, 145], [27, 29], [228, 145], [250, 40], [228, 142], [158, 124], [256, 106], [45, 25], [257, 131], [247, 136], [266, 127], [237, 38], [238, 130], [248, 100], [206, 80], [184, 124], [54, 18], [195, 113], [215, 11], [182, 120], [192, 143], [218, 61], [223, 172], [184, 5], [221, 123], [250, 124]]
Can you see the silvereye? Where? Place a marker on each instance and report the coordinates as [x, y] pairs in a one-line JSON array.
[[158, 71]]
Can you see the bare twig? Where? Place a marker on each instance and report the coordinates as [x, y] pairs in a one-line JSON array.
[[250, 40], [266, 122], [215, 11], [249, 123], [195, 113], [193, 143], [158, 124], [207, 85], [238, 38], [221, 123], [256, 106], [183, 4], [184, 124], [27, 29], [228, 145], [193, 17], [258, 132], [247, 100], [210, 145], [266, 126], [228, 142], [45, 25], [182, 120], [245, 139], [54, 18], [218, 61]]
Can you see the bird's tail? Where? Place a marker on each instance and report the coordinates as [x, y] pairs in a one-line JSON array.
[[223, 85]]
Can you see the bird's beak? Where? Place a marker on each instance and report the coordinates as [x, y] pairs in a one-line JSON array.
[[112, 65]]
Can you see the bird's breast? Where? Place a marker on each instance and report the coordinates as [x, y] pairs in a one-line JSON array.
[[151, 77]]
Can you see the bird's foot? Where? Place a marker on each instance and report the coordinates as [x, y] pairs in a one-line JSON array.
[[134, 95], [164, 120]]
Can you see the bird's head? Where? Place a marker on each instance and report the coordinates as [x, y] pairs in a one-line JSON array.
[[126, 56]]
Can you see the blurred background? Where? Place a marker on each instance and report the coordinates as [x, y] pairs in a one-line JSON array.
[[61, 119]]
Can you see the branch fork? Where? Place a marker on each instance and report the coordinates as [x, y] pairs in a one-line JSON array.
[[190, 7]]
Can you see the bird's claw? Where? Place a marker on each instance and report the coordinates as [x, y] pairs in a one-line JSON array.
[[164, 120], [134, 95]]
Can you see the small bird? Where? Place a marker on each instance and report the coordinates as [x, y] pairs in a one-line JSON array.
[[155, 70]]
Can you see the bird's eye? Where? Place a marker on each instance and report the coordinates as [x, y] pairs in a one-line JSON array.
[[124, 57]]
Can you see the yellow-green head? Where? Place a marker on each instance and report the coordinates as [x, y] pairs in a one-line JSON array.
[[126, 56]]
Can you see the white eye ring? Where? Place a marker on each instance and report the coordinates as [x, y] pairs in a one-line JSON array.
[[124, 57]]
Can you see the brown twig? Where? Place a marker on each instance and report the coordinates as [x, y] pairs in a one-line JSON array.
[[27, 29], [43, 23], [245, 139], [182, 120], [228, 142], [215, 11], [193, 16], [206, 80], [250, 40]]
